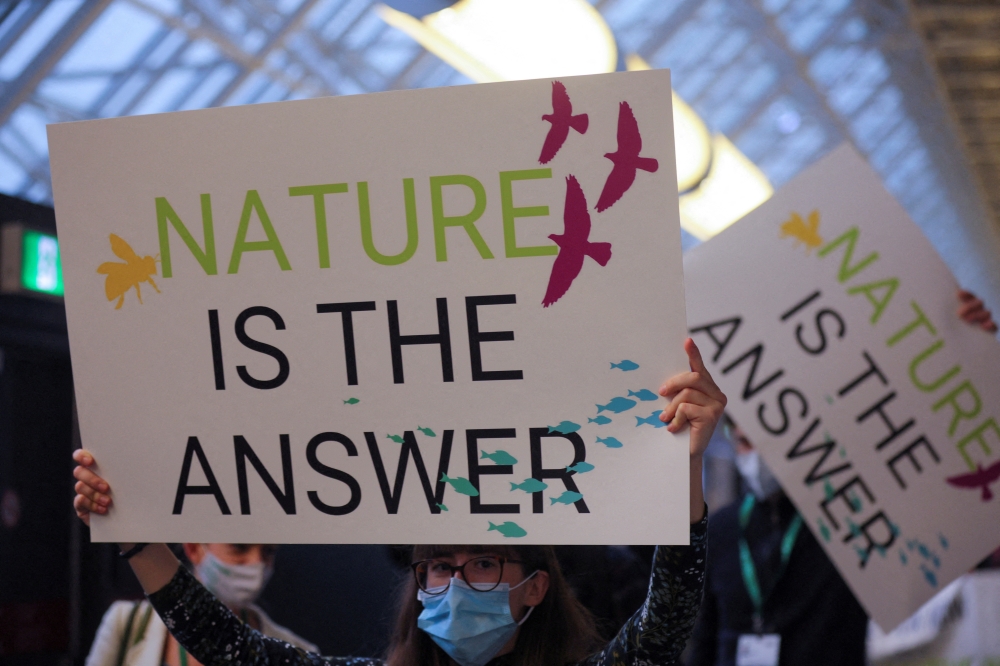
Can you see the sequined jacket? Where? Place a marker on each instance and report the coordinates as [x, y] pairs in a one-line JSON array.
[[655, 635]]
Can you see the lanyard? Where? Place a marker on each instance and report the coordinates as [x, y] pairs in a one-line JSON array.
[[184, 653], [746, 560]]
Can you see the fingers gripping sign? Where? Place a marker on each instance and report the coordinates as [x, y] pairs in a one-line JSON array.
[[693, 398], [973, 311], [91, 490]]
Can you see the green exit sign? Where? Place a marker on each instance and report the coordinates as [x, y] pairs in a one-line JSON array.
[[29, 261]]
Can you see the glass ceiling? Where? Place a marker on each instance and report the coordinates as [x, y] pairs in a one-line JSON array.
[[785, 80]]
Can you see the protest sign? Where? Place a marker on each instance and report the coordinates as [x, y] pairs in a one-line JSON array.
[[830, 322], [419, 316]]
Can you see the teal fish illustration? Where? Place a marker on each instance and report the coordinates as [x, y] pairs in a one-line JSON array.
[[427, 431], [600, 420], [929, 575], [824, 530], [529, 485], [894, 528], [911, 544], [610, 442], [855, 530], [855, 502], [395, 438], [828, 490], [351, 401], [843, 452], [617, 405], [508, 529], [653, 420], [567, 497], [565, 427], [880, 550], [442, 506], [643, 394], [944, 541], [461, 485], [862, 554], [902, 556], [500, 457], [924, 551], [580, 467], [625, 366]]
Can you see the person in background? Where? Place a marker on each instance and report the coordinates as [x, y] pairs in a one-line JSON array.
[[787, 586], [770, 590], [132, 634]]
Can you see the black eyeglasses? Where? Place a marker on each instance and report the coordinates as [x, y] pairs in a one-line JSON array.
[[481, 573]]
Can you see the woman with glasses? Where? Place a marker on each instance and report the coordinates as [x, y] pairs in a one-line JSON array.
[[467, 605]]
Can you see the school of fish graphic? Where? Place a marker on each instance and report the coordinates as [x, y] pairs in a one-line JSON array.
[[615, 405], [931, 560]]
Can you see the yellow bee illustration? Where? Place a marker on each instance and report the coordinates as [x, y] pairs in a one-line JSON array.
[[803, 232], [122, 277]]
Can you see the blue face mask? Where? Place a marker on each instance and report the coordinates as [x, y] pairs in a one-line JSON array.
[[470, 626]]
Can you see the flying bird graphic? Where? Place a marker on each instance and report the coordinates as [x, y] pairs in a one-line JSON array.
[[981, 478], [562, 119], [626, 160], [574, 244]]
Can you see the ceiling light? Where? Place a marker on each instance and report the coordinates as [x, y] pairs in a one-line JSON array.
[[733, 188], [511, 40]]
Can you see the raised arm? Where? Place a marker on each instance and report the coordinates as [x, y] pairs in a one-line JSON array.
[[658, 632], [694, 400], [200, 622], [154, 565]]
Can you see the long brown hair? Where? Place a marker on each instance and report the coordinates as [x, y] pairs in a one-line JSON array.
[[559, 631]]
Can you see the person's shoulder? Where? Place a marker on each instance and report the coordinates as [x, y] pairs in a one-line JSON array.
[[120, 611]]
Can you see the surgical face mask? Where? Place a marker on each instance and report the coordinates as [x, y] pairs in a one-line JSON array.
[[469, 625], [235, 585], [756, 475]]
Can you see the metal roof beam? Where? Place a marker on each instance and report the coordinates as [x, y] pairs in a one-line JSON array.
[[277, 39], [20, 89]]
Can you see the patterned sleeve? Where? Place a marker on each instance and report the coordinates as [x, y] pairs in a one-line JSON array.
[[658, 632], [216, 637]]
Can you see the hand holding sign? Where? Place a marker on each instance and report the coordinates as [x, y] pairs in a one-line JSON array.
[[91, 490], [972, 311], [695, 399]]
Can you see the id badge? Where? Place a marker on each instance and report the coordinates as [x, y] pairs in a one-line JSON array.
[[758, 650]]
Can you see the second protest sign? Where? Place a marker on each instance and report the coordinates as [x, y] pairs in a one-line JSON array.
[[830, 322]]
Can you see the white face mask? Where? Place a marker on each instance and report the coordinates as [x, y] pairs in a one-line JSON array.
[[235, 585], [756, 475]]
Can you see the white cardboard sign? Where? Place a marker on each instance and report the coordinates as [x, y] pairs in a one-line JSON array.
[[830, 322], [380, 318]]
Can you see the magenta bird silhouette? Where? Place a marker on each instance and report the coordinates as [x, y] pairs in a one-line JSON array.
[[981, 478], [626, 159], [574, 244], [562, 119]]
